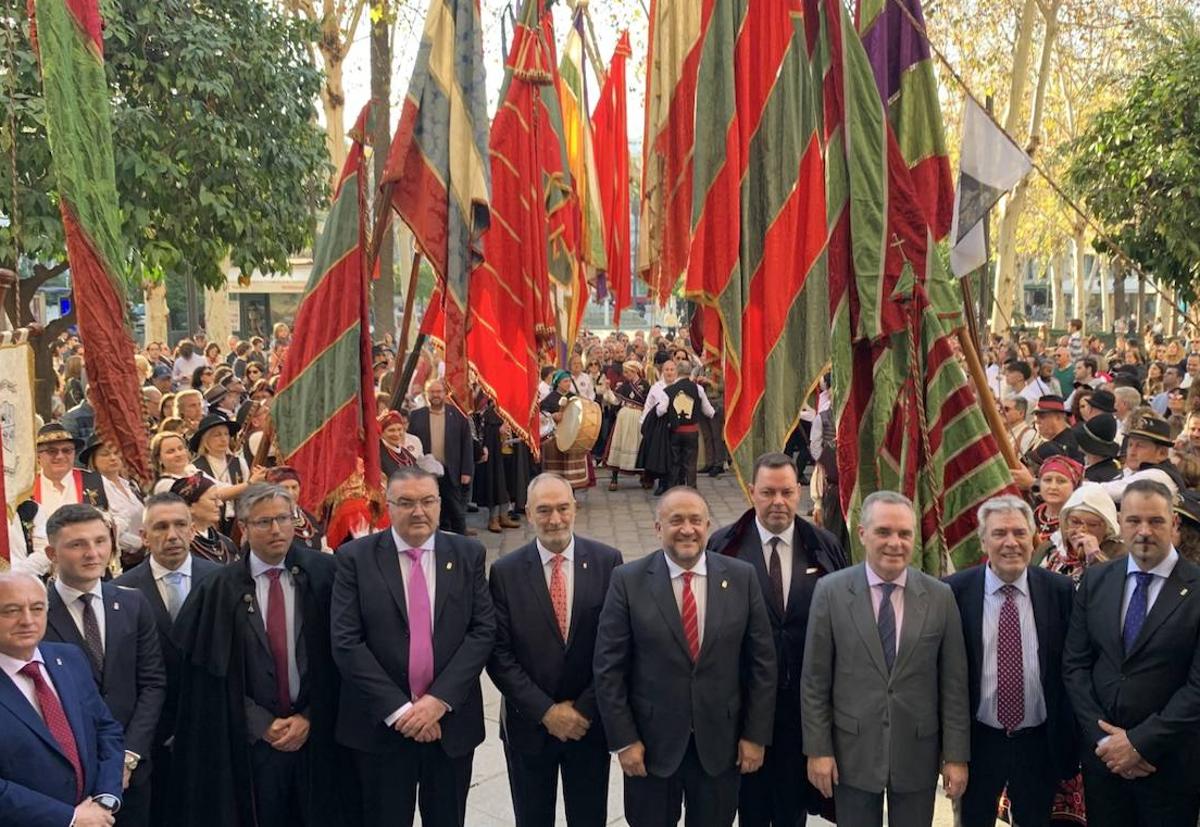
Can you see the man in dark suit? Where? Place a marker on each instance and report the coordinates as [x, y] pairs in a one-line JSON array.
[[115, 629], [446, 433], [789, 554], [258, 688], [685, 673], [548, 596], [413, 626], [60, 753], [1015, 620], [885, 679], [1132, 670], [165, 578]]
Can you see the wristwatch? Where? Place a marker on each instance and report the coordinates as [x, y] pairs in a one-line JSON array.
[[131, 761], [107, 801]]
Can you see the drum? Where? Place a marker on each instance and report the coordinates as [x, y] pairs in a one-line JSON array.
[[580, 426]]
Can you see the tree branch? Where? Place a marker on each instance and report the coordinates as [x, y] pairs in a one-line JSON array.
[[28, 288]]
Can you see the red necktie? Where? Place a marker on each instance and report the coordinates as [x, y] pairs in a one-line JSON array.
[[558, 593], [277, 638], [691, 623], [56, 721], [1010, 670]]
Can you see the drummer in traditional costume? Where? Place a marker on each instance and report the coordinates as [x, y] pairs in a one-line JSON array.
[[309, 530], [629, 397], [573, 467]]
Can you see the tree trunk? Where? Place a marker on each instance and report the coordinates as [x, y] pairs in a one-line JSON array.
[[1006, 245], [381, 91], [157, 314], [1079, 305], [1141, 302], [1118, 277], [333, 46], [1164, 310], [1103, 273], [216, 316], [1058, 296]]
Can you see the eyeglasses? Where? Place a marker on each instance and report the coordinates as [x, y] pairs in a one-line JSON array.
[[425, 503], [62, 450], [263, 523]]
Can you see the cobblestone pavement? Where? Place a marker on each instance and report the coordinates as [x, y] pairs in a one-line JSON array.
[[624, 519]]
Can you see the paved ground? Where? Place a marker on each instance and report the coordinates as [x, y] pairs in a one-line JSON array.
[[624, 519]]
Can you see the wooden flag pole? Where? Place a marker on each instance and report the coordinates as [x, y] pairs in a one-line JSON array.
[[401, 388], [986, 400]]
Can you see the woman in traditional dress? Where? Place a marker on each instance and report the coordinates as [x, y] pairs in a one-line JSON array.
[[310, 532], [124, 498], [200, 493], [210, 445], [1058, 477], [629, 397], [170, 460], [397, 447], [571, 467]]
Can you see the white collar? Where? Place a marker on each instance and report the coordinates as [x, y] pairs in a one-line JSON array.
[[69, 595], [675, 570], [160, 571], [259, 566], [992, 583], [401, 545], [567, 554], [786, 536], [12, 666], [1162, 570]]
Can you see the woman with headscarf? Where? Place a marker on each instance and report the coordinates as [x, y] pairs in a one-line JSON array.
[[309, 530], [1058, 477], [397, 447], [1088, 533], [573, 468], [629, 397], [200, 493]]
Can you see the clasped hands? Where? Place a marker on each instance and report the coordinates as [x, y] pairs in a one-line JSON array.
[[421, 720], [1119, 755], [565, 722], [287, 734]]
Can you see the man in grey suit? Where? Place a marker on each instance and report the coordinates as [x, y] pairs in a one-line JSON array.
[[884, 688], [684, 672]]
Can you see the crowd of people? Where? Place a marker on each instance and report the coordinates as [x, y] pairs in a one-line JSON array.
[[208, 652]]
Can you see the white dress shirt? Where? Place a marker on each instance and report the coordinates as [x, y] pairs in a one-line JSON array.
[[568, 570], [13, 666], [49, 500], [993, 599], [1161, 572], [160, 572], [656, 394], [70, 597], [663, 403], [785, 553], [699, 589], [126, 510], [429, 569], [262, 591]]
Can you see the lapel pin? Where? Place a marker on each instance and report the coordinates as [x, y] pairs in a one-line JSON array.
[[295, 570], [724, 584], [449, 566], [1183, 592], [116, 606], [58, 661], [811, 570], [585, 564]]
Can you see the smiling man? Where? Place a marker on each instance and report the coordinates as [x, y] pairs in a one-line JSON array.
[[685, 673], [1015, 620], [884, 687]]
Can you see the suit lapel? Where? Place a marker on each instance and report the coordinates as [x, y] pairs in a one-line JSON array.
[[444, 575], [1174, 591], [585, 573], [916, 609], [664, 597], [1109, 592], [716, 590], [71, 707], [539, 592], [752, 552], [257, 622], [864, 619], [973, 620], [149, 588], [115, 627], [1040, 597], [59, 618], [20, 707], [387, 559]]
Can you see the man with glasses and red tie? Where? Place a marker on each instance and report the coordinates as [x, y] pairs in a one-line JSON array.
[[258, 688], [413, 627], [61, 754]]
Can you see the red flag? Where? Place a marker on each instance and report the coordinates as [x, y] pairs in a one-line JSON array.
[[509, 298], [611, 149]]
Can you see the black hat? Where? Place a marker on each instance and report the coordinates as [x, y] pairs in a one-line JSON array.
[[85, 456], [1103, 401], [215, 394], [207, 424], [1187, 506], [1097, 436], [53, 432], [1152, 429], [1046, 450], [1020, 367]]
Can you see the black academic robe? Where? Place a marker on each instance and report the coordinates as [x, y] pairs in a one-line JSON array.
[[212, 749]]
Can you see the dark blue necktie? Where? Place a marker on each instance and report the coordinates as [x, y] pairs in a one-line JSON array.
[[1135, 615], [887, 625]]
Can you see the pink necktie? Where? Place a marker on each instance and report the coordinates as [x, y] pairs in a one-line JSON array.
[[420, 628], [558, 593]]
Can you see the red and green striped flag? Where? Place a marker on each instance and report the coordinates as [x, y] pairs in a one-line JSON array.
[[904, 411], [758, 219], [324, 411], [70, 46], [437, 169], [511, 309]]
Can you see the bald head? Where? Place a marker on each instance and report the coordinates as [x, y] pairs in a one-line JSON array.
[[22, 614]]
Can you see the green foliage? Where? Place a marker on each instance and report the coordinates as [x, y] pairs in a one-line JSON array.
[[217, 148], [1138, 164]]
